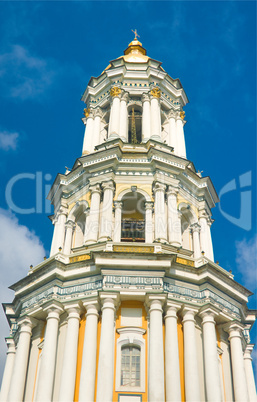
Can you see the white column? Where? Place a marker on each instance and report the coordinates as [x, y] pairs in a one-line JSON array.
[[106, 353], [196, 239], [96, 129], [192, 381], [146, 118], [148, 222], [47, 366], [92, 221], [88, 368], [59, 231], [155, 114], [172, 132], [174, 218], [17, 385], [70, 226], [106, 213], [209, 240], [205, 235], [69, 364], [114, 123], [172, 370], [156, 355], [124, 117], [89, 131], [159, 212], [181, 146], [8, 369], [249, 373], [238, 370], [117, 221], [211, 363]]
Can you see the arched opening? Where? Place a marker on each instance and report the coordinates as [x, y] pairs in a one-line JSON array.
[[133, 217], [130, 366], [135, 124], [78, 217], [187, 219]]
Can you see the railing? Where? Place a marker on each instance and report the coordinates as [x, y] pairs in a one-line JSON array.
[[133, 230]]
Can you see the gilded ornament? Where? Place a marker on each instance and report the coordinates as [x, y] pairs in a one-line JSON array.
[[182, 115], [155, 92], [86, 112], [115, 91]]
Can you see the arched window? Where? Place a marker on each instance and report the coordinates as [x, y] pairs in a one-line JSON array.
[[135, 124], [130, 366], [133, 217]]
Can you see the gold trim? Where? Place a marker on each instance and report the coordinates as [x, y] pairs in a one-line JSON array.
[[185, 262], [133, 249], [115, 91], [87, 112], [182, 115], [83, 257], [155, 92]]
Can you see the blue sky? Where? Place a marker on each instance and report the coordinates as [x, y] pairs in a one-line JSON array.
[[49, 51]]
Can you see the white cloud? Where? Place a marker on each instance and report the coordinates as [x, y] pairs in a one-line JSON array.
[[19, 248], [246, 260], [25, 75], [8, 140]]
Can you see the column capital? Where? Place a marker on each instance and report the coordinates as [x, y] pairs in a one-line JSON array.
[[108, 185], [171, 114], [203, 214], [159, 299], [234, 329], [70, 224], [10, 343], [91, 303], [248, 351], [208, 314], [98, 112], [95, 188], [171, 309], [111, 300], [26, 324], [171, 190], [145, 97], [115, 92], [159, 186], [73, 310], [155, 92], [88, 113], [195, 227], [118, 204], [53, 310], [125, 96], [188, 313], [149, 205]]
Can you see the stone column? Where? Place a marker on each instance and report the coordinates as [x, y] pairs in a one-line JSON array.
[[106, 213], [148, 222], [70, 226], [238, 370], [146, 117], [172, 370], [69, 364], [96, 129], [249, 373], [196, 239], [106, 353], [159, 212], [8, 370], [156, 355], [155, 114], [211, 363], [192, 381], [59, 230], [174, 219], [114, 124], [88, 368], [47, 366], [205, 235], [181, 146], [209, 239], [89, 131], [92, 222], [172, 131], [124, 116], [117, 223], [18, 379]]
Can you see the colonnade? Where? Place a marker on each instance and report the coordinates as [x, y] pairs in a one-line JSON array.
[[167, 221], [118, 121], [164, 364]]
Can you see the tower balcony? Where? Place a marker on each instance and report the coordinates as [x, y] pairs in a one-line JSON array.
[[133, 230]]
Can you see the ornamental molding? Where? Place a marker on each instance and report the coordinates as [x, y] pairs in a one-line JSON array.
[[155, 92], [133, 283], [115, 91]]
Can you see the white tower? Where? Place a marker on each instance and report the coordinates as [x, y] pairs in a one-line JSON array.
[[130, 306]]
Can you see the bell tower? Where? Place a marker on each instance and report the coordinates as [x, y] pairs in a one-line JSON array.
[[130, 305]]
